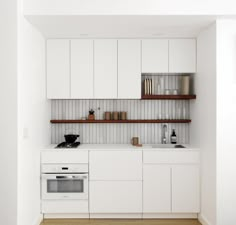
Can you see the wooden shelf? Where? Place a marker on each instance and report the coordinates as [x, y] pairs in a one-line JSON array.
[[168, 97], [122, 121]]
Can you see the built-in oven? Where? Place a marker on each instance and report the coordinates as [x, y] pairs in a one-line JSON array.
[[64, 181]]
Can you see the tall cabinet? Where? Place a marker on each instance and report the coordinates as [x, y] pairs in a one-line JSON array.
[[81, 69], [58, 69], [105, 69], [129, 69]]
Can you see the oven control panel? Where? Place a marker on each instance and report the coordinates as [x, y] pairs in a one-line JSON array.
[[64, 168]]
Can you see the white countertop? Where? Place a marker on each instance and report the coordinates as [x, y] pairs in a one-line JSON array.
[[110, 147]]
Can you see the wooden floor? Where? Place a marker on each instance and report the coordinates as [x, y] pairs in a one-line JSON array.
[[120, 222]]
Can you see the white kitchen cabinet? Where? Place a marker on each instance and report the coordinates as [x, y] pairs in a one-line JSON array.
[[185, 189], [105, 69], [82, 69], [156, 189], [58, 69], [171, 157], [182, 56], [64, 157], [129, 69], [115, 165], [155, 56], [115, 197], [65, 206]]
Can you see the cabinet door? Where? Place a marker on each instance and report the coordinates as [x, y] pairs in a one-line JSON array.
[[155, 56], [129, 69], [105, 69], [115, 165], [115, 197], [156, 189], [82, 69], [182, 56], [185, 189], [58, 69]]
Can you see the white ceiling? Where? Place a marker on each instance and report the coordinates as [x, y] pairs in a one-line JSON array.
[[86, 26]]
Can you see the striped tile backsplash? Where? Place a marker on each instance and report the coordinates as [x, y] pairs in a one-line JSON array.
[[119, 133]]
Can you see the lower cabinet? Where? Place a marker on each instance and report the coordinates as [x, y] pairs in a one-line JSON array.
[[171, 189], [185, 189], [65, 206], [156, 189], [115, 197]]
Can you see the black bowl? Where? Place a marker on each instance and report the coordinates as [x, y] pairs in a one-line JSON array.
[[71, 138]]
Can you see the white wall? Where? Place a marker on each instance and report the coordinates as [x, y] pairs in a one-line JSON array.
[[203, 126], [8, 112], [34, 116], [160, 7], [226, 122]]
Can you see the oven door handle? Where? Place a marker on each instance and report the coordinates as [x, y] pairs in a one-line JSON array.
[[71, 177], [63, 176]]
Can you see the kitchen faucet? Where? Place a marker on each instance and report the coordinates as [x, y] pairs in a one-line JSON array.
[[164, 138]]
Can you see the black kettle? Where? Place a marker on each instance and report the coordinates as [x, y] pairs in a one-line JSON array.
[[71, 138]]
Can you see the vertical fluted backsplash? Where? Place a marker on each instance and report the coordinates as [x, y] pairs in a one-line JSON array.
[[119, 133]]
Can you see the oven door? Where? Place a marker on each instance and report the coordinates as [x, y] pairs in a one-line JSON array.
[[65, 186]]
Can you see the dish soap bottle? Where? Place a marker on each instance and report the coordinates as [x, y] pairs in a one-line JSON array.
[[173, 137]]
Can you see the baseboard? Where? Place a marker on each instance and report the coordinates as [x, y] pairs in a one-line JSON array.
[[202, 219], [170, 216], [66, 215], [116, 215], [38, 220]]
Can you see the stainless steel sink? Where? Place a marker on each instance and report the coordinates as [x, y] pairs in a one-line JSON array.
[[168, 146]]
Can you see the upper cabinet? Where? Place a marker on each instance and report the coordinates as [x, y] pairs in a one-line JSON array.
[[129, 69], [82, 69], [58, 69], [105, 69], [182, 56], [155, 56], [169, 56], [111, 69]]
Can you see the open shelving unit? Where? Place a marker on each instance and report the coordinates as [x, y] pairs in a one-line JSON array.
[[168, 97], [124, 121]]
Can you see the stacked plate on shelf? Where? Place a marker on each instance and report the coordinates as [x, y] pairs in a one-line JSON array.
[[148, 86]]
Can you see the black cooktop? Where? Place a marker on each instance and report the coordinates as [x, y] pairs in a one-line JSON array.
[[68, 145]]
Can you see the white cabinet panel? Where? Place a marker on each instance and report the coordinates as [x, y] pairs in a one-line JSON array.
[[155, 56], [65, 206], [82, 69], [115, 165], [64, 157], [115, 196], [171, 157], [182, 56], [58, 69], [129, 69], [105, 69], [156, 189], [185, 189]]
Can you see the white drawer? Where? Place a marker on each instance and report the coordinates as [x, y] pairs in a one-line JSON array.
[[115, 165], [115, 197], [171, 157], [64, 157], [64, 206]]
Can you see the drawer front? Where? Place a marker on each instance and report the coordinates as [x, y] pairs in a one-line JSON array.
[[115, 197], [64, 157], [178, 157], [65, 206], [115, 165]]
